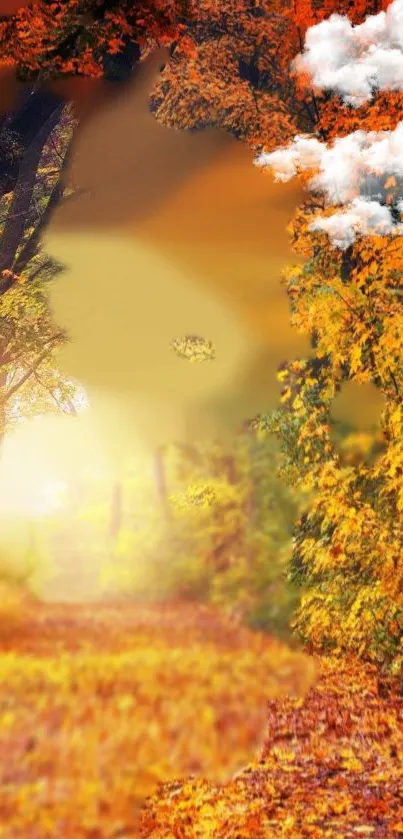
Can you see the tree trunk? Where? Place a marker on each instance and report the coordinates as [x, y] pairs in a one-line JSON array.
[[35, 108], [30, 248], [3, 381], [160, 482], [116, 510], [225, 468], [16, 219]]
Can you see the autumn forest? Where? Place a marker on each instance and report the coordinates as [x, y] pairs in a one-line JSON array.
[[201, 419]]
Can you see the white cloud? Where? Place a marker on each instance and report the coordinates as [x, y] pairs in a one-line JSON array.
[[355, 61], [360, 217], [302, 154], [351, 166], [350, 172]]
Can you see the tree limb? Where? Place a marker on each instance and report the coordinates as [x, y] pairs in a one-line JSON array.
[[51, 393], [29, 249], [32, 369]]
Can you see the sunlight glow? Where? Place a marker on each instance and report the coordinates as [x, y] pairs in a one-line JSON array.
[[42, 457]]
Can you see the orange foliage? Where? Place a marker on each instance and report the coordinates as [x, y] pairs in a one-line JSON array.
[[348, 549], [307, 13], [383, 114], [68, 38], [237, 74]]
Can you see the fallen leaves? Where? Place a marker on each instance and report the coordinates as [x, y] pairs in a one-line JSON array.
[[100, 704], [331, 767]]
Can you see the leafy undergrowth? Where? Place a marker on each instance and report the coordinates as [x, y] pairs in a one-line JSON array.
[[100, 703], [332, 766]]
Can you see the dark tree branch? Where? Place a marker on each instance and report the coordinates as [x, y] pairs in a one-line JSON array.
[[48, 263], [395, 384]]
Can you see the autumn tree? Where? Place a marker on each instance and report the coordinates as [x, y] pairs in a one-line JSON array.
[[93, 39], [231, 70], [29, 380], [347, 545], [47, 39], [85, 38]]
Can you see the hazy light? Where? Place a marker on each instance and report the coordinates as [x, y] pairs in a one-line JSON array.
[[42, 457]]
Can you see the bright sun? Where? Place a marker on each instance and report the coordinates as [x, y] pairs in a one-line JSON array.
[[41, 458]]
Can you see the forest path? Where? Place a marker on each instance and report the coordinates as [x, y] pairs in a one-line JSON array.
[[101, 702]]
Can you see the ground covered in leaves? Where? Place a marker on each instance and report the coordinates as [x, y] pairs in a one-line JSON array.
[[100, 704], [332, 766]]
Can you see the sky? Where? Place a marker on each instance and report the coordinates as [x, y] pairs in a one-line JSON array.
[[181, 235]]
